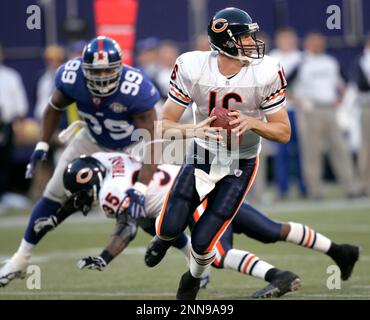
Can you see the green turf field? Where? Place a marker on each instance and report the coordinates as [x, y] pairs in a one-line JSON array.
[[128, 278]]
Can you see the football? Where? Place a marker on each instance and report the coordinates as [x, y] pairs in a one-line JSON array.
[[222, 121], [223, 118]]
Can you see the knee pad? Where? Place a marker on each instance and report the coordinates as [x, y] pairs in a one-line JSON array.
[[198, 246], [169, 231], [200, 243]]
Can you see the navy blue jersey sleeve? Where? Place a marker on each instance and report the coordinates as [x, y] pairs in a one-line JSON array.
[[59, 84], [67, 78], [146, 98]]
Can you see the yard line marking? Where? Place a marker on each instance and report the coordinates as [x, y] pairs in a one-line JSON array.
[[333, 296], [280, 208], [79, 253], [21, 221], [85, 293], [316, 207], [140, 251], [358, 286], [294, 296]]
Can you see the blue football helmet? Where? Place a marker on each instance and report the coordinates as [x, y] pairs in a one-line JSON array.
[[102, 66]]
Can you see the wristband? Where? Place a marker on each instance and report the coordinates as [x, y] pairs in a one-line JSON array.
[[42, 146]]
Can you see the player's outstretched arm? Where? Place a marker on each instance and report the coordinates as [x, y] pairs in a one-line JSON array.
[[146, 120], [52, 114], [125, 232], [50, 121]]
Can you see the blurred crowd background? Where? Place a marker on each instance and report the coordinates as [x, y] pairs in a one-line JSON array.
[[328, 73]]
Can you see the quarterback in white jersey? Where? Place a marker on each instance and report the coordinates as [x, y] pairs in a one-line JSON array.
[[238, 77], [256, 91]]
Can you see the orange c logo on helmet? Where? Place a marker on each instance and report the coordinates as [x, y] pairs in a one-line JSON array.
[[219, 21], [84, 175]]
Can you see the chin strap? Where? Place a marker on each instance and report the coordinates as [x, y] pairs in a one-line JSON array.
[[243, 59]]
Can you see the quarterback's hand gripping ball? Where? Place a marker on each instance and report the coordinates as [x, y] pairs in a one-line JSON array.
[[222, 121]]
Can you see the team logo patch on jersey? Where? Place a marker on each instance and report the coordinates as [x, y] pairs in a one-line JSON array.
[[96, 101], [219, 25], [117, 107]]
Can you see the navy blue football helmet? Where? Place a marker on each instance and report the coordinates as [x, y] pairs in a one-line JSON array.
[[225, 30], [102, 66], [82, 181]]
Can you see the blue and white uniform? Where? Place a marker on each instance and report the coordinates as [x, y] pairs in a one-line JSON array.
[[109, 120]]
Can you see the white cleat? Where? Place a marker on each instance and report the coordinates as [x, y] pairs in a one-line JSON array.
[[13, 269]]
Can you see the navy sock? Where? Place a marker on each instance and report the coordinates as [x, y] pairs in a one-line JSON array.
[[44, 208], [180, 241]]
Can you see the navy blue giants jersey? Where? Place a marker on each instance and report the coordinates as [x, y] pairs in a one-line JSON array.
[[109, 119]]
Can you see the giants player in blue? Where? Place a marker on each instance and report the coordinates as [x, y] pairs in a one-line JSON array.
[[113, 100]]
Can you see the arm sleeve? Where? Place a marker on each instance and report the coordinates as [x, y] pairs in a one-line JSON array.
[[147, 97], [273, 94], [59, 84], [180, 84]]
